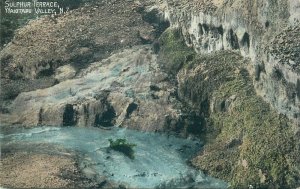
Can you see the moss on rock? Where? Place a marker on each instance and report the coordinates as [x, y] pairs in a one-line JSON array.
[[200, 77], [173, 51], [247, 142]]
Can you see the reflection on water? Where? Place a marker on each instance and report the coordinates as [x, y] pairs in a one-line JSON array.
[[160, 160]]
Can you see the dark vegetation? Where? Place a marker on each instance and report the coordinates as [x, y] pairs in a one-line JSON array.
[[121, 145], [173, 51], [153, 18]]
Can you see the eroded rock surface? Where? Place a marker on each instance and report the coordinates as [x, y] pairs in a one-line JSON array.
[[80, 36], [267, 32], [125, 89], [246, 139]]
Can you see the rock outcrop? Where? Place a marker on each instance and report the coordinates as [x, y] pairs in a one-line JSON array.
[[126, 89], [45, 49], [79, 37], [247, 141], [267, 32]]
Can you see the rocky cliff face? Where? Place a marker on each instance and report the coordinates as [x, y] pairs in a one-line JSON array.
[[126, 89], [248, 143], [267, 32], [49, 50], [98, 96], [79, 37]]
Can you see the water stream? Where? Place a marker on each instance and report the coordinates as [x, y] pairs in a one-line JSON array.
[[160, 160]]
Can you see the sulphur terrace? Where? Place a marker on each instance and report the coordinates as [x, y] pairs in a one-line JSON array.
[[29, 4]]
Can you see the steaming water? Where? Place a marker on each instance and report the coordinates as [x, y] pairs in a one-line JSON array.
[[160, 160]]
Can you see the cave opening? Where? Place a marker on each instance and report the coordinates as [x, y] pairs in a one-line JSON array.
[[277, 74], [205, 28], [298, 88], [233, 40], [267, 24], [153, 17], [246, 40], [106, 119], [130, 109], [200, 29], [220, 30], [45, 73], [195, 124], [69, 116]]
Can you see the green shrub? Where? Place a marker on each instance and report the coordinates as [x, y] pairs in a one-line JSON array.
[[174, 53], [121, 145]]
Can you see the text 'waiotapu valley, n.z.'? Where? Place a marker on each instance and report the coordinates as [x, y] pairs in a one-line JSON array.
[[34, 7]]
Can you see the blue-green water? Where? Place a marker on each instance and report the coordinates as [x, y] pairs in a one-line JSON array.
[[160, 160]]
